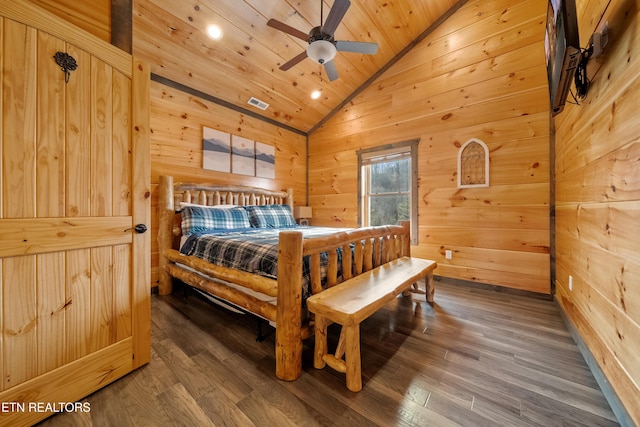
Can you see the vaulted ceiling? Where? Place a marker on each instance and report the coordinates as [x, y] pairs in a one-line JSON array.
[[171, 36]]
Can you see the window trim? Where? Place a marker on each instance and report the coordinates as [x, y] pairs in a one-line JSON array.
[[410, 146]]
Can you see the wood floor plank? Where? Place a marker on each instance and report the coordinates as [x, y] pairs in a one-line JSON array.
[[113, 411], [184, 368], [233, 386], [326, 400], [261, 412], [182, 408], [221, 410], [141, 391], [476, 357]]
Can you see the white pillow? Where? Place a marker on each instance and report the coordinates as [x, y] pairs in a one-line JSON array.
[[183, 204]]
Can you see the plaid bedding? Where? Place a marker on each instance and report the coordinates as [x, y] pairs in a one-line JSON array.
[[254, 250]]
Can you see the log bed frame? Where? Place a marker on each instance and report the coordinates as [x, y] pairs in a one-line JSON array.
[[376, 246]]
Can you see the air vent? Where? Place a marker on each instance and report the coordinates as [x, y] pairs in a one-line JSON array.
[[257, 103]]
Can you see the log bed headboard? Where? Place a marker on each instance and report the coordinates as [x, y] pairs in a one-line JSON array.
[[211, 194], [208, 194]]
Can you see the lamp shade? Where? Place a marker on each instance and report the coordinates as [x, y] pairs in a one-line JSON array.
[[321, 51], [302, 212]]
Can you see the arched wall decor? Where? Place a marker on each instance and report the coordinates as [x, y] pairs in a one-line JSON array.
[[473, 164]]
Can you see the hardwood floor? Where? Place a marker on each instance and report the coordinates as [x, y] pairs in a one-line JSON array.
[[476, 357]]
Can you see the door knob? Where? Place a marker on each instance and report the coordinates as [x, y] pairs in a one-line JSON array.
[[139, 228]]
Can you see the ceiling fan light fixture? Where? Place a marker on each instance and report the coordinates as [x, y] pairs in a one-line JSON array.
[[321, 51]]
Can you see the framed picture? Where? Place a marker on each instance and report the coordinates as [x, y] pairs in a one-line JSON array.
[[265, 160], [216, 150], [243, 156]]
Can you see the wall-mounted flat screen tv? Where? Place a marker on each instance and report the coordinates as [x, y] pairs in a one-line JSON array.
[[562, 48]]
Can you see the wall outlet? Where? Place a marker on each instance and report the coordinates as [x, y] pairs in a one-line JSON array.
[[570, 282], [448, 254]]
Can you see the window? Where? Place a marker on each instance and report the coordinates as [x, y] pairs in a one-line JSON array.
[[389, 186]]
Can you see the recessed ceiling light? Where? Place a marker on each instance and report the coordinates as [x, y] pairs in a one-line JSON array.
[[315, 94], [214, 31]]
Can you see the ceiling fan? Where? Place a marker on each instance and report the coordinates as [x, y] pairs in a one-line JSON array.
[[322, 46]]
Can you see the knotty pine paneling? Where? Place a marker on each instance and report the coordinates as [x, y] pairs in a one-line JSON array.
[[50, 297], [519, 281], [170, 36], [480, 74], [19, 340], [597, 263], [524, 160], [514, 217], [50, 140], [93, 16], [598, 201], [502, 261], [613, 177], [78, 314], [177, 119], [162, 29]]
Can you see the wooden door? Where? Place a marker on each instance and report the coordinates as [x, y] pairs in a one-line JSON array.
[[74, 274]]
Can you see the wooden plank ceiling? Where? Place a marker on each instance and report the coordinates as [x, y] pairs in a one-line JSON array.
[[171, 36]]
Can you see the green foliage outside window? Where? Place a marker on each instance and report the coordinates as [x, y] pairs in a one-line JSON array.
[[389, 193]]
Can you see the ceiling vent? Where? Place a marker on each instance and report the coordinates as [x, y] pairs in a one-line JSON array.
[[257, 103]]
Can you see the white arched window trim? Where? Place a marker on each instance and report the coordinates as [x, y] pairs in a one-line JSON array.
[[483, 183]]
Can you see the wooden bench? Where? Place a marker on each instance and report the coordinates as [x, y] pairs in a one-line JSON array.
[[355, 299]]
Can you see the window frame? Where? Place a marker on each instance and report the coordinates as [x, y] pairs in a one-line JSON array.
[[411, 147]]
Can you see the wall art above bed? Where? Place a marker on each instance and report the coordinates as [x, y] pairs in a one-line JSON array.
[[265, 160], [216, 150], [223, 152]]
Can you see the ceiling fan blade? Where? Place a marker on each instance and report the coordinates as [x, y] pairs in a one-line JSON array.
[[293, 61], [357, 47], [287, 29], [330, 69], [336, 14]]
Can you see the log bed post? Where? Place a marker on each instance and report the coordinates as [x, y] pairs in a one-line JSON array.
[[289, 308], [166, 212], [289, 200]]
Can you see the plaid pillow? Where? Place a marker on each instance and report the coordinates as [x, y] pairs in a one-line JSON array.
[[201, 218], [270, 216]]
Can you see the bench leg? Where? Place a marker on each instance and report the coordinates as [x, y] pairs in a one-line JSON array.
[[320, 342], [431, 288], [352, 358], [414, 288]]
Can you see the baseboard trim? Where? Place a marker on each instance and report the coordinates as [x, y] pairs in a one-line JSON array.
[[609, 393]]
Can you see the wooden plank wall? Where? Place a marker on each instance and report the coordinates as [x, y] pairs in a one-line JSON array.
[[93, 16], [481, 75], [597, 150], [177, 119]]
